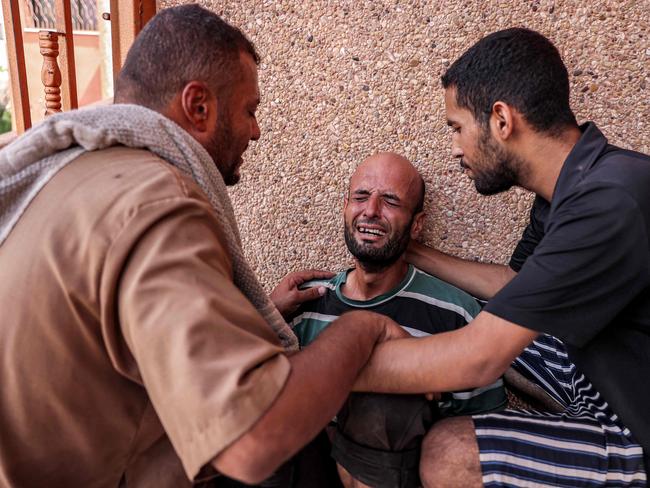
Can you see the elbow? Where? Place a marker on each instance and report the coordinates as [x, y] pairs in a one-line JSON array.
[[251, 468], [249, 475]]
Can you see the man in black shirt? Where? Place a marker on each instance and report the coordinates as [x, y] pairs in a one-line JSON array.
[[581, 273]]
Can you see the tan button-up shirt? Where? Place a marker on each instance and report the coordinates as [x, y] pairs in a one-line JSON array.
[[126, 351]]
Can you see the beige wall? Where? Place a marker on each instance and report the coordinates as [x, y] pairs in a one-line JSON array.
[[341, 80]]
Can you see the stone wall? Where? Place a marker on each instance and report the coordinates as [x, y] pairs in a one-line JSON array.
[[341, 80]]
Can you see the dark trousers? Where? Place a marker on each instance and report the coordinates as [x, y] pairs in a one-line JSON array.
[[312, 467]]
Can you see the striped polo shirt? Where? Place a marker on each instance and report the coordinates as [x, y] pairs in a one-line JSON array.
[[423, 305]]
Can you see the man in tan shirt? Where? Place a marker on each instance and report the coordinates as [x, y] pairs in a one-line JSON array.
[[129, 355]]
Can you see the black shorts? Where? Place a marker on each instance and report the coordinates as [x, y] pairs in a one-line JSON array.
[[378, 437]]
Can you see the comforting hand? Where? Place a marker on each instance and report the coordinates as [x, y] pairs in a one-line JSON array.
[[383, 327], [287, 296], [414, 252], [391, 329]]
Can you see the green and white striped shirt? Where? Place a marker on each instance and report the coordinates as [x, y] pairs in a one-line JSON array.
[[423, 305]]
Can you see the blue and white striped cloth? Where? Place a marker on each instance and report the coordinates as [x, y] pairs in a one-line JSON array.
[[584, 446]]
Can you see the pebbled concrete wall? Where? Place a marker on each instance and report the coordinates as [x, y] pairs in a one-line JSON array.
[[343, 79]]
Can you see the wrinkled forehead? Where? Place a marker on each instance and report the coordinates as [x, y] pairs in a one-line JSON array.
[[386, 175]]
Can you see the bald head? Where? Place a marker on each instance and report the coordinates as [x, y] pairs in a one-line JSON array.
[[383, 210], [393, 171]]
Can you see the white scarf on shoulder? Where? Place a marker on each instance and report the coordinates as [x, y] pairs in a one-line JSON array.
[[27, 164]]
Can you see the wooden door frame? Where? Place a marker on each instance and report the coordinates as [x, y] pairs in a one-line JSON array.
[[127, 17]]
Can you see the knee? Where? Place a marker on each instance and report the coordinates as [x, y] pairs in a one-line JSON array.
[[347, 480], [450, 454]]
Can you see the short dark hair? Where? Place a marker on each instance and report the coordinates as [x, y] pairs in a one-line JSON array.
[[178, 45], [517, 66]]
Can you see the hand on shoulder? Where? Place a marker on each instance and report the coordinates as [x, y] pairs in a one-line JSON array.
[[287, 295]]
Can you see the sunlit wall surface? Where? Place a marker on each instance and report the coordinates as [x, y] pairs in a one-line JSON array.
[[341, 80]]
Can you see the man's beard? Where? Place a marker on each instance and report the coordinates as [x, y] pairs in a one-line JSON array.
[[220, 149], [374, 259], [495, 170]]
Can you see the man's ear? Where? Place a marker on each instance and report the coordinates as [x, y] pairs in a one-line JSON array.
[[502, 120], [416, 226], [198, 105]]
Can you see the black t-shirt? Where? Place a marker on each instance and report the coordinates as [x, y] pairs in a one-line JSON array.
[[584, 273], [533, 233]]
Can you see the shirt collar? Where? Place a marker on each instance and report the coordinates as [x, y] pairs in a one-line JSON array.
[[378, 300], [582, 157]]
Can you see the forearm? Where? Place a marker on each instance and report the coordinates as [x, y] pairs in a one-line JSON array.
[[422, 365], [321, 377], [470, 357], [483, 280]]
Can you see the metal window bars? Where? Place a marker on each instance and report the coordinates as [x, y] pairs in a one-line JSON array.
[[42, 14]]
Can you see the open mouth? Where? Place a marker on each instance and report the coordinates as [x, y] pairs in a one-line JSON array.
[[370, 230]]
